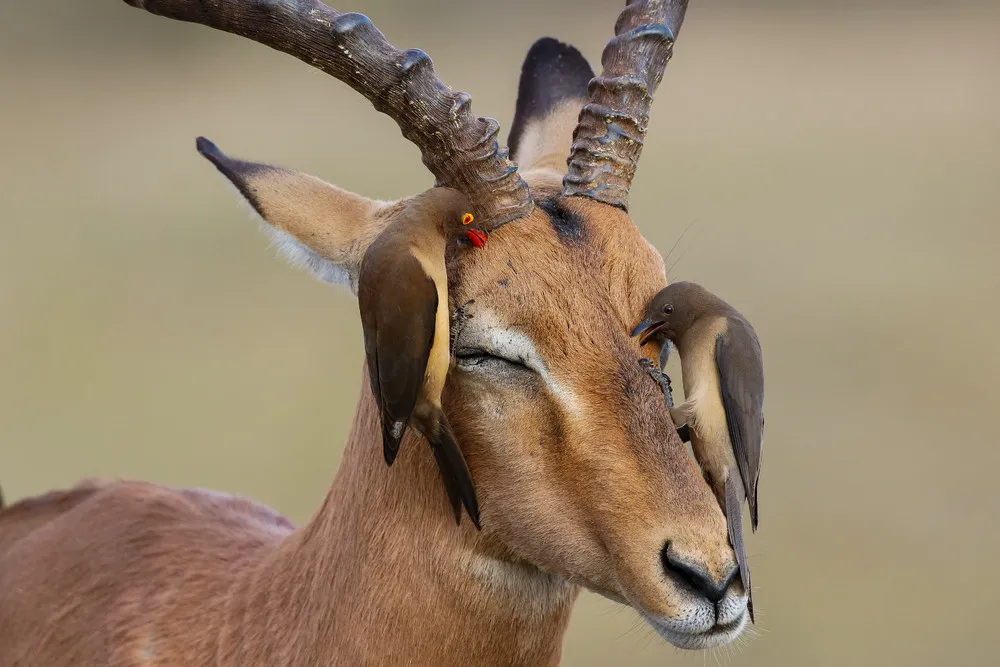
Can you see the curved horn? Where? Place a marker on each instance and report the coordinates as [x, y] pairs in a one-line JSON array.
[[609, 135], [460, 149]]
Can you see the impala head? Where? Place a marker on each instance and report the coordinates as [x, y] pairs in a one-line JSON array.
[[577, 464]]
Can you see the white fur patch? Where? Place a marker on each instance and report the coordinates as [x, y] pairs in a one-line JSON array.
[[532, 588], [517, 346], [300, 255], [297, 253]]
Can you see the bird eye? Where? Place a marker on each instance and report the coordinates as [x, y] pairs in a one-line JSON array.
[[668, 309]]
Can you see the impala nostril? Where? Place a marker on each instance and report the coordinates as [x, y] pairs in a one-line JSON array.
[[695, 576]]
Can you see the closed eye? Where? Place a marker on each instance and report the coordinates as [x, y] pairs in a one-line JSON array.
[[473, 358]]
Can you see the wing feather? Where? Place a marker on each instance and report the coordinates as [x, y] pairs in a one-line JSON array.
[[741, 383], [398, 306], [734, 523]]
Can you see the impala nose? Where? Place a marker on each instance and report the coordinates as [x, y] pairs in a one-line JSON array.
[[696, 576]]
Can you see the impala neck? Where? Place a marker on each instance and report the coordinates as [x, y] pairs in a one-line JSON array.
[[382, 575]]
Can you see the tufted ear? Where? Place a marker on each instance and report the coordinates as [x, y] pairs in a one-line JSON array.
[[314, 224], [551, 92]]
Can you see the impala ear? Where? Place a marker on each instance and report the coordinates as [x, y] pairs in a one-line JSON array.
[[550, 94], [314, 224]]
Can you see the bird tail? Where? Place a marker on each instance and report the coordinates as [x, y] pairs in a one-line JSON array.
[[454, 470], [752, 494], [735, 495], [392, 435]]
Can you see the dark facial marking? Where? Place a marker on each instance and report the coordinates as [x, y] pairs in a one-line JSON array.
[[568, 225]]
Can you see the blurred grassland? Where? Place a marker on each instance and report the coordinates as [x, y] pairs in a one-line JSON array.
[[837, 163]]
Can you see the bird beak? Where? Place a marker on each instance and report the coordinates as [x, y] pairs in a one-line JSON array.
[[477, 237], [646, 329]]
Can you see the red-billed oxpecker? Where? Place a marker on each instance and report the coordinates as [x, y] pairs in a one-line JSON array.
[[723, 410], [403, 297]]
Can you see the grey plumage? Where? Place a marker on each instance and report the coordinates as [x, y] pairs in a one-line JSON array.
[[720, 359], [741, 385], [734, 508]]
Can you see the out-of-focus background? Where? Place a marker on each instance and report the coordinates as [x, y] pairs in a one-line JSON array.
[[837, 164]]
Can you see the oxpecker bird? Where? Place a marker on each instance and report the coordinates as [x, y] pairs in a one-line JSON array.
[[723, 375], [403, 298]]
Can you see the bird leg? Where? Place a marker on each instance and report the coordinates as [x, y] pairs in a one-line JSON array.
[[678, 415], [660, 378]]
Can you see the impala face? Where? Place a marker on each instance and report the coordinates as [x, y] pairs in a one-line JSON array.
[[569, 440], [578, 467]]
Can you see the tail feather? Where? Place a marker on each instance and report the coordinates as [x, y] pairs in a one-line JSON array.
[[454, 472], [735, 496], [390, 441]]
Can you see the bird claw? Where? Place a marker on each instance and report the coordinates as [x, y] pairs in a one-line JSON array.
[[660, 378]]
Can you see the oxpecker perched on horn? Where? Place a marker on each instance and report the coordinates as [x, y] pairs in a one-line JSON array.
[[723, 375]]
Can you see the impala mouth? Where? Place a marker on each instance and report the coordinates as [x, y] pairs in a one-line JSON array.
[[647, 329], [719, 634]]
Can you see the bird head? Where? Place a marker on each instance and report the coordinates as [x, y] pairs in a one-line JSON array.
[[671, 312], [476, 237]]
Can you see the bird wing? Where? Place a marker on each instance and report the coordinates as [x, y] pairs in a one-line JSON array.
[[454, 470], [741, 383], [398, 308], [734, 522]]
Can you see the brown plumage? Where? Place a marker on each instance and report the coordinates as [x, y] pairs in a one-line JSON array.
[[723, 377], [403, 298]]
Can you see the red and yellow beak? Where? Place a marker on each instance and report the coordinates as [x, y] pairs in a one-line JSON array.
[[477, 237]]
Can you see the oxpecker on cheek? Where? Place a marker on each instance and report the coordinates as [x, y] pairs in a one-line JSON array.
[[403, 298], [723, 412]]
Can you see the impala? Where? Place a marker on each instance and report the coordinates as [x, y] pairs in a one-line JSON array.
[[582, 479]]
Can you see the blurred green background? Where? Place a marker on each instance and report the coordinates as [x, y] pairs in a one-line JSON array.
[[837, 164]]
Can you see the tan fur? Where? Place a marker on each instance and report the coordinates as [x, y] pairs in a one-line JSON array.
[[440, 356], [321, 216], [580, 474], [295, 205]]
